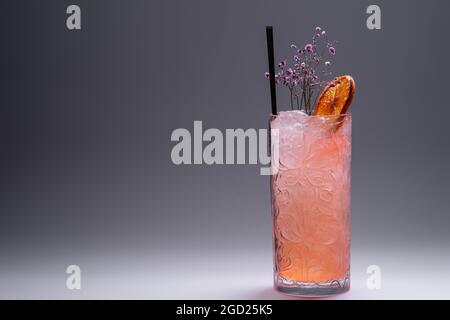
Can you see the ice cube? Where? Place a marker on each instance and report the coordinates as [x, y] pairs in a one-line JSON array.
[[289, 119], [291, 126]]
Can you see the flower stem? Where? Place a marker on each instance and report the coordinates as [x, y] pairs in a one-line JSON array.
[[306, 101]]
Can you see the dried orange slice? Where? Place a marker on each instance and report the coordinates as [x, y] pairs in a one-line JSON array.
[[336, 97]]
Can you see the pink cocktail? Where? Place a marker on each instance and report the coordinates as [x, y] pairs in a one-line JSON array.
[[311, 203]]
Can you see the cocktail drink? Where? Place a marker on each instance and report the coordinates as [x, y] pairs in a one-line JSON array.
[[311, 203], [310, 184]]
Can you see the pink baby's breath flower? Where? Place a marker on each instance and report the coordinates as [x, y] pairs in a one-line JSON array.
[[308, 72], [277, 78]]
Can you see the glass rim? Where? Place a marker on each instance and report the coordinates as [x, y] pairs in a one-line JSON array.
[[327, 116]]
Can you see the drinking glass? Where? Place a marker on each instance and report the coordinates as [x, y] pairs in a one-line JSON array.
[[311, 203]]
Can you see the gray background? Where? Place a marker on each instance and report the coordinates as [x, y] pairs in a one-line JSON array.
[[86, 117]]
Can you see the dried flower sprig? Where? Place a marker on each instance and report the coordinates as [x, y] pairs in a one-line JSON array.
[[310, 70]]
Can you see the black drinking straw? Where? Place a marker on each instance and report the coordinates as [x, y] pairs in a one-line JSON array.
[[273, 92]]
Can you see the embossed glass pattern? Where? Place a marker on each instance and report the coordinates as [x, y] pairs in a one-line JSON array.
[[311, 204]]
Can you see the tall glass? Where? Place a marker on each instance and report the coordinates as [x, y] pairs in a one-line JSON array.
[[311, 204]]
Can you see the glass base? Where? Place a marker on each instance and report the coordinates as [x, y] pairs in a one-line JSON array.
[[311, 290]]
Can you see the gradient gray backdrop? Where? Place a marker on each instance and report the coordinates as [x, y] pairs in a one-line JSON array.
[[86, 118]]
